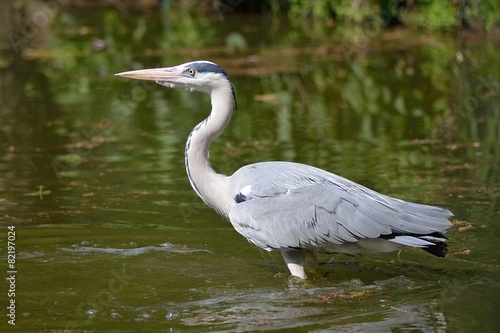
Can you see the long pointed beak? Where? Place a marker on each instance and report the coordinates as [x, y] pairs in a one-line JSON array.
[[169, 74]]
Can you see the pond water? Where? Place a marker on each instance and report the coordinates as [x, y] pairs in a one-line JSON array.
[[109, 235]]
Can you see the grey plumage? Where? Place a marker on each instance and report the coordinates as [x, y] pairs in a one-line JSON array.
[[291, 206], [294, 208]]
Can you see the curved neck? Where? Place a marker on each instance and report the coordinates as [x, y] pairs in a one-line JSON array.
[[208, 184]]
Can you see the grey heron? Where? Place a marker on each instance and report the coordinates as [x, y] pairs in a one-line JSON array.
[[297, 209]]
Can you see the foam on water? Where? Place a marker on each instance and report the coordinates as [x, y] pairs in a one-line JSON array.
[[164, 247]]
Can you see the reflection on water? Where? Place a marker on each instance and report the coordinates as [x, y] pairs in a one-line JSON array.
[[265, 314], [289, 309], [110, 235]]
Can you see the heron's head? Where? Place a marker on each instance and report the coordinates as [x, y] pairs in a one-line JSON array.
[[202, 76]]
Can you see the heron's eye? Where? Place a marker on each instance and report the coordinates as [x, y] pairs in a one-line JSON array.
[[191, 71]]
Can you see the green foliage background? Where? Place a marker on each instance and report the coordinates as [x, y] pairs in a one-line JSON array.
[[443, 15]]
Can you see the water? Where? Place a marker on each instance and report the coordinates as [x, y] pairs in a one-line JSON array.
[[109, 236]]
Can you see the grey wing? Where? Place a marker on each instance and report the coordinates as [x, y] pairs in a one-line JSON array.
[[317, 212]]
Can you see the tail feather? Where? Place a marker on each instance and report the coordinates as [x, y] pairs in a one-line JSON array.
[[434, 243], [439, 249]]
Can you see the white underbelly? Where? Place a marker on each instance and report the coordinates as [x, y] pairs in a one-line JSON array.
[[371, 245]]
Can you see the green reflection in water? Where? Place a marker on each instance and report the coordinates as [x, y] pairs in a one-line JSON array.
[[118, 240]]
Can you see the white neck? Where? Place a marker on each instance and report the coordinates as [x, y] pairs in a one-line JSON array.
[[209, 185]]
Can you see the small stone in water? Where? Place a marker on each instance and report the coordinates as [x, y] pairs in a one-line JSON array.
[[114, 315], [91, 313], [172, 314]]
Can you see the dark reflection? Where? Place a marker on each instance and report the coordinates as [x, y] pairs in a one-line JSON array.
[[92, 167], [29, 116]]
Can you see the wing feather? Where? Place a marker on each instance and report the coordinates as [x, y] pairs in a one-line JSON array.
[[291, 205]]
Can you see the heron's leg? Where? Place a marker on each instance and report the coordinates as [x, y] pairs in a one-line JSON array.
[[295, 261]]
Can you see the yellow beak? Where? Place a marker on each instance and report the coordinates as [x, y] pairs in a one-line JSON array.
[[168, 74]]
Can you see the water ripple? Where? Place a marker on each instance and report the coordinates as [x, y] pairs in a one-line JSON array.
[[164, 247]]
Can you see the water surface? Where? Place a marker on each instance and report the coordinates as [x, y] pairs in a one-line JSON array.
[[110, 236]]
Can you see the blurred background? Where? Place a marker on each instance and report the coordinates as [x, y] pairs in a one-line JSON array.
[[400, 96]]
